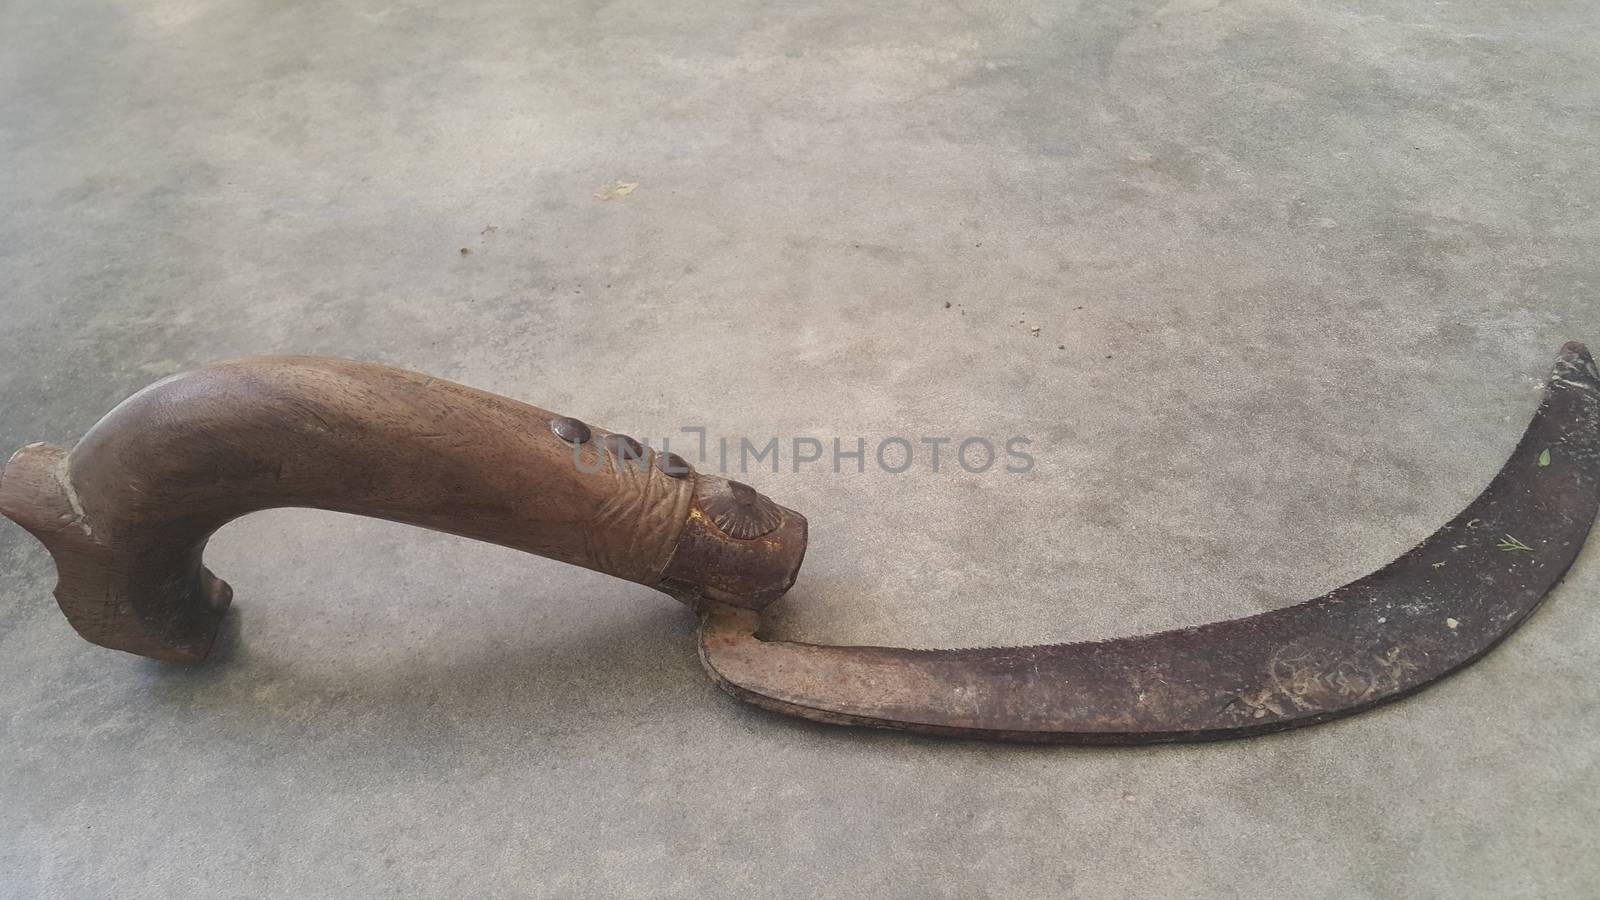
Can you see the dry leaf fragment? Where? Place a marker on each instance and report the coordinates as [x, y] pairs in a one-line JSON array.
[[616, 189]]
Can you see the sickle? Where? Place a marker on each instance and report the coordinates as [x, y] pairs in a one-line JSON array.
[[126, 515]]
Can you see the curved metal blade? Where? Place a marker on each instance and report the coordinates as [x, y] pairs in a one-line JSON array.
[[1420, 618]]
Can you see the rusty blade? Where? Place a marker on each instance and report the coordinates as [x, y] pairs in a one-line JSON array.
[[1418, 619]]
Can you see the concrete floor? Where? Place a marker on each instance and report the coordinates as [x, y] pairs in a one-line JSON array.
[[1297, 268]]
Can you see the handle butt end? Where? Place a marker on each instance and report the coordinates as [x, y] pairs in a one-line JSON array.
[[156, 601]]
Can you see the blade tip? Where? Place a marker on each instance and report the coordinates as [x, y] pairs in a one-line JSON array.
[[1575, 360]]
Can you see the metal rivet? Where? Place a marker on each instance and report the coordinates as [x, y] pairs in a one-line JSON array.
[[738, 510], [673, 464], [623, 446], [570, 430]]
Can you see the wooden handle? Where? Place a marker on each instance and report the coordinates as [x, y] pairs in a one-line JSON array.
[[126, 514]]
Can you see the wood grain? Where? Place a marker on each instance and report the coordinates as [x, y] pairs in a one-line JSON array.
[[128, 511]]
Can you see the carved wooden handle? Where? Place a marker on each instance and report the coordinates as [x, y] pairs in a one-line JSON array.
[[127, 513]]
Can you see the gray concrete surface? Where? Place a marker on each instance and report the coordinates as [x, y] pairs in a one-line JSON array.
[[1297, 267]]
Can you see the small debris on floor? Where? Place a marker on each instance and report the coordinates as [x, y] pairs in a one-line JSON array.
[[465, 252], [947, 304], [616, 189], [1034, 331]]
